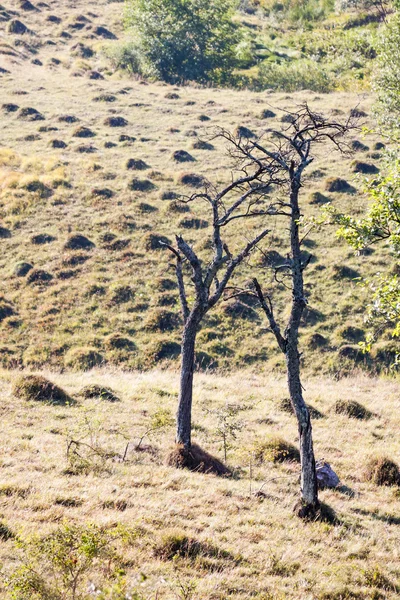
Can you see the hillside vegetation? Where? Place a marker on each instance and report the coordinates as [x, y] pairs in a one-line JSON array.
[[245, 540], [89, 151], [97, 158]]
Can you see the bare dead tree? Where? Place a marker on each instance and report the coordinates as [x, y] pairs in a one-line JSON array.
[[291, 151], [242, 199]]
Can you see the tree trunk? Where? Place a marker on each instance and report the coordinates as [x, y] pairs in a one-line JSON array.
[[184, 415], [309, 488]]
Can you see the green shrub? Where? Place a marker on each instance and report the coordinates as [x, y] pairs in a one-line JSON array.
[[59, 565], [185, 40], [125, 56], [294, 76]]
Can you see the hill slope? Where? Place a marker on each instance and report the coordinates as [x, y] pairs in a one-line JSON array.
[[91, 152], [248, 546]]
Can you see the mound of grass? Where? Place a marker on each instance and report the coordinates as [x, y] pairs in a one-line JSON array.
[[183, 156], [9, 107], [83, 358], [68, 119], [344, 272], [58, 144], [202, 145], [98, 391], [22, 268], [382, 471], [6, 309], [286, 406], [137, 164], [82, 50], [102, 193], [36, 387], [318, 198], [358, 146], [352, 409], [176, 544], [244, 132], [162, 320], [164, 350], [385, 353], [6, 533], [154, 241], [196, 459], [317, 340], [119, 294], [267, 114], [141, 185], [351, 352], [322, 513], [83, 132], [191, 179], [42, 238], [116, 341], [276, 450], [75, 258], [17, 27], [338, 185], [39, 276], [78, 242], [115, 122], [358, 166], [193, 223]]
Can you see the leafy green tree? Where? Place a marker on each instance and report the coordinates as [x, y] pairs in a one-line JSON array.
[[185, 40], [380, 224]]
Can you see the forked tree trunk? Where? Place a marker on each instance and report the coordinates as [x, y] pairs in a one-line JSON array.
[[309, 489], [184, 414]]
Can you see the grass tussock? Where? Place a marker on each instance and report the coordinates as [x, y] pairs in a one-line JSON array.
[[196, 459], [276, 450], [98, 391], [38, 388], [352, 409], [382, 471]]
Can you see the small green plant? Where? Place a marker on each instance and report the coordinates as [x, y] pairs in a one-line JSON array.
[[227, 424], [58, 565]]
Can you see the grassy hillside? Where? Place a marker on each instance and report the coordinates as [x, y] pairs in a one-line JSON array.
[[317, 45], [249, 544], [88, 150]]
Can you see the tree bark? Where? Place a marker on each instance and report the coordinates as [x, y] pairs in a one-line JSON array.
[[309, 489], [184, 414]]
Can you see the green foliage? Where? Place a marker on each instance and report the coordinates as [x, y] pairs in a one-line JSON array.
[[380, 224], [185, 40], [387, 76], [304, 11], [56, 566], [227, 424], [292, 76], [125, 56]]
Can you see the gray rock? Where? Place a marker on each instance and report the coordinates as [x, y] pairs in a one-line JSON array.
[[326, 476]]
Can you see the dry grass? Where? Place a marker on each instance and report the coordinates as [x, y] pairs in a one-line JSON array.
[[59, 191], [256, 540]]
